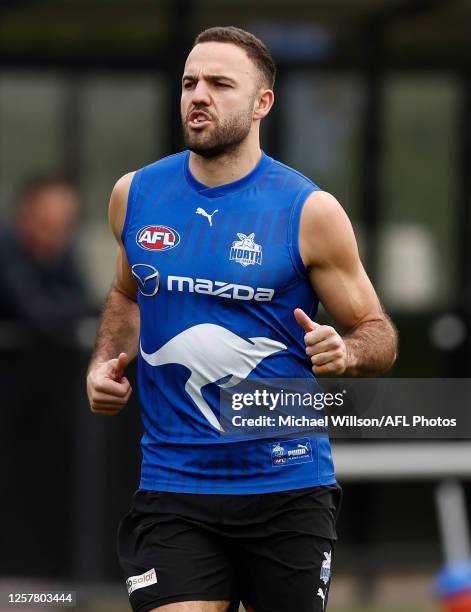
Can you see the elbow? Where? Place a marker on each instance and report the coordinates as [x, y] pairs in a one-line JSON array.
[[392, 354], [125, 292]]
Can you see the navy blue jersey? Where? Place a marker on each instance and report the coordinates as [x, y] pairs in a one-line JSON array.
[[219, 274]]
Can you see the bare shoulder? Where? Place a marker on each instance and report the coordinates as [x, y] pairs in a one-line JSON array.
[[325, 231], [118, 204]]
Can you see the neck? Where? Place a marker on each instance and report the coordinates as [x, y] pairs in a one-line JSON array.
[[226, 168]]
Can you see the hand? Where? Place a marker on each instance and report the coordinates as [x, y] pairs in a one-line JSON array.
[[324, 346], [108, 390]]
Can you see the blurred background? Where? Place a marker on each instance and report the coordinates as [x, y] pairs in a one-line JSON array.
[[373, 103]]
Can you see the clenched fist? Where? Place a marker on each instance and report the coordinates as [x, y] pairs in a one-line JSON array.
[[325, 347], [108, 390]]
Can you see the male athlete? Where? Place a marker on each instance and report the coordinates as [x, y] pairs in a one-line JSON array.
[[224, 254]]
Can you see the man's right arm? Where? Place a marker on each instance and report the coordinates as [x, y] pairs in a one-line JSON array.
[[117, 338]]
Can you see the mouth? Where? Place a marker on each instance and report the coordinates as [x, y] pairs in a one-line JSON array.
[[198, 119]]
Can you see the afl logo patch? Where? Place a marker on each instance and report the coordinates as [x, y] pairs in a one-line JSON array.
[[157, 238]]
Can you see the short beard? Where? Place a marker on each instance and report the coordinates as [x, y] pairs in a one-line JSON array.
[[224, 139]]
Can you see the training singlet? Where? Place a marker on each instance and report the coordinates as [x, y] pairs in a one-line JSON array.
[[219, 274]]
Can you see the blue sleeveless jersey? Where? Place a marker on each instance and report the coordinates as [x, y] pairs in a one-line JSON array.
[[219, 274]]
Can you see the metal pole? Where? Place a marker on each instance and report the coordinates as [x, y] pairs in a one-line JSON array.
[[371, 196], [451, 510], [72, 126], [462, 356]]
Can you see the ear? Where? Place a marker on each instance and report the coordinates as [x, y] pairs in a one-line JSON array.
[[263, 103]]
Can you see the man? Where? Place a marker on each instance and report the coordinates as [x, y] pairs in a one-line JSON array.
[[226, 250], [42, 288], [43, 297]]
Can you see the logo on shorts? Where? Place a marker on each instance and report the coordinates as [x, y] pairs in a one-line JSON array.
[[325, 568], [245, 251], [138, 582], [321, 594], [157, 238]]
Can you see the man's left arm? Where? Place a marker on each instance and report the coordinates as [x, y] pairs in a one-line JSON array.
[[366, 341]]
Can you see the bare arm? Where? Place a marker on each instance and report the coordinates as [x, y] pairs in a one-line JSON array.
[[117, 338], [119, 328], [366, 343]]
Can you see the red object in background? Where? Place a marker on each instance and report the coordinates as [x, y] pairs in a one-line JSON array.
[[457, 603]]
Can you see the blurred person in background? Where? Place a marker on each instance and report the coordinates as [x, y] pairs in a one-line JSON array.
[[43, 296], [41, 285]]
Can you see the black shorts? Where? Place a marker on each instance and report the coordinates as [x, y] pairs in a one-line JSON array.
[[272, 550]]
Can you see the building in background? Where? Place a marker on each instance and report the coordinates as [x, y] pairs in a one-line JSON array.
[[373, 103]]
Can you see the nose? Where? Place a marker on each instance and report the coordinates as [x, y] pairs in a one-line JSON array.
[[201, 94]]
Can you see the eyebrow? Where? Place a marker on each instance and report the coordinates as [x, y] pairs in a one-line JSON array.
[[209, 77]]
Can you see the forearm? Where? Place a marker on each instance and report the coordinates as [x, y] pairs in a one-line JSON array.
[[371, 348], [119, 328]]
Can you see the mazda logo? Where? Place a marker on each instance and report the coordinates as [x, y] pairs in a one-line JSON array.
[[148, 279]]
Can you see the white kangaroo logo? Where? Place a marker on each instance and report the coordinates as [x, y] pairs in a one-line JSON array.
[[212, 353], [201, 211], [320, 594], [247, 241]]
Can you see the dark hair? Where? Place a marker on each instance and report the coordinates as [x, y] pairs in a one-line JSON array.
[[35, 185], [254, 48]]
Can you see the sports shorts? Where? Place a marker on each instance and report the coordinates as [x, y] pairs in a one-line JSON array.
[[272, 551]]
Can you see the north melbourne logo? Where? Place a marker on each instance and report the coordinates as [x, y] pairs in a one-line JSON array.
[[325, 568], [278, 454], [245, 251], [212, 354]]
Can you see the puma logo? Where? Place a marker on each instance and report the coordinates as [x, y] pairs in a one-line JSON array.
[[212, 353], [320, 593], [201, 211]]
